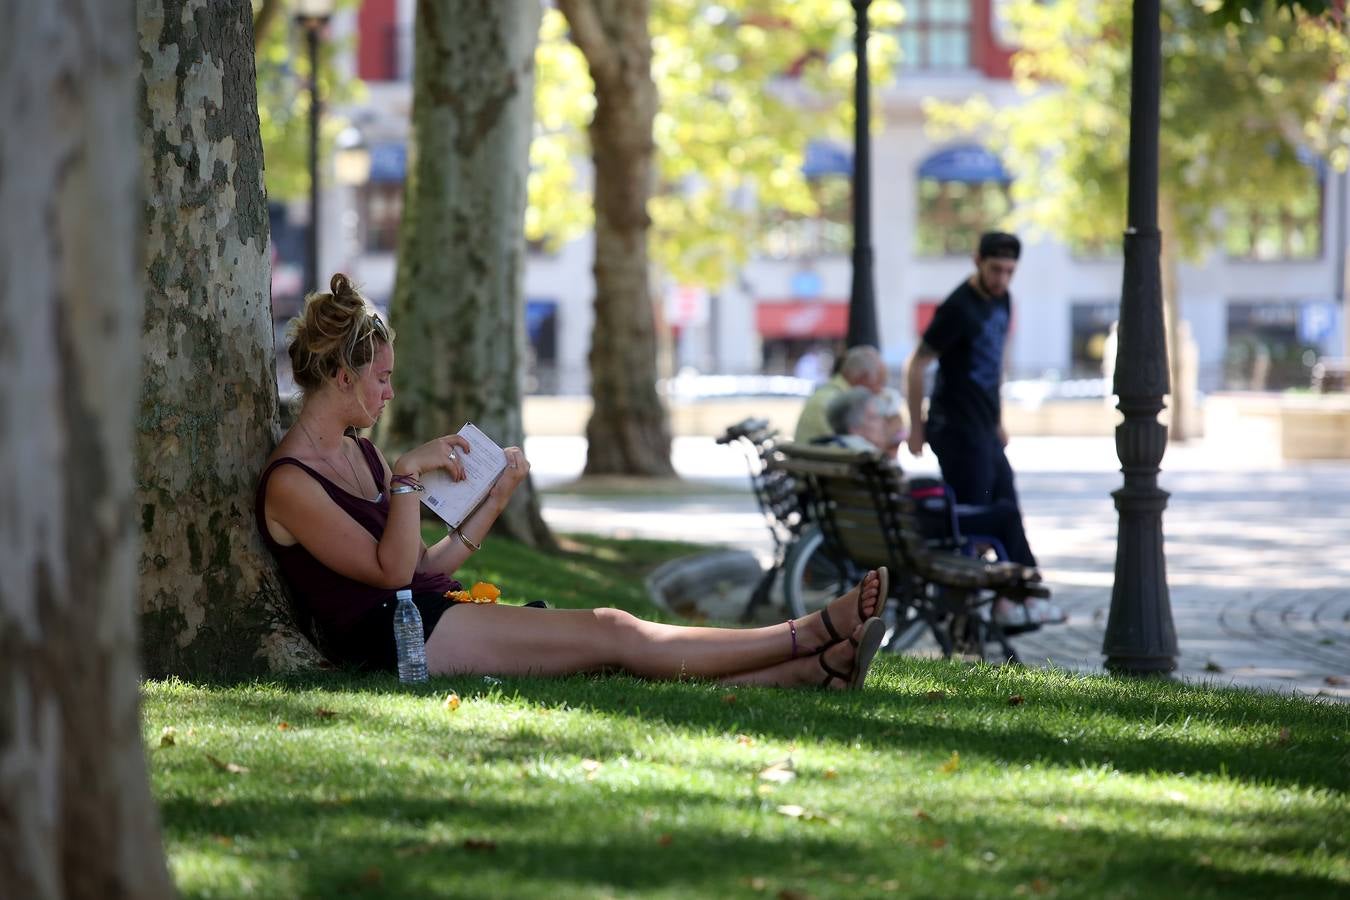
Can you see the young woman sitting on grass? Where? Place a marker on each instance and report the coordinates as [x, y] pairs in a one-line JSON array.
[[344, 526]]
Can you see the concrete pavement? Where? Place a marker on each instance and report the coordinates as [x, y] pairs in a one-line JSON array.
[[1258, 569]]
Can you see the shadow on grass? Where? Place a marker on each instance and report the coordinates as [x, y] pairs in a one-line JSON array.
[[1060, 720], [393, 844]]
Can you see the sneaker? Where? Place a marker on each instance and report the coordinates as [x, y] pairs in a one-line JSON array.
[[1009, 614], [1044, 612]]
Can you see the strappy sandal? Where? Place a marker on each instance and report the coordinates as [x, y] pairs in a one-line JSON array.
[[883, 590], [873, 631]]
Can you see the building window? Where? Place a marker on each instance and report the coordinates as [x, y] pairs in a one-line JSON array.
[[383, 203], [1090, 337], [1268, 232], [1268, 346], [935, 35], [963, 191], [829, 232]]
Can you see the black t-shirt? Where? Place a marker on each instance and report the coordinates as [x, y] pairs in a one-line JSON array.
[[967, 333]]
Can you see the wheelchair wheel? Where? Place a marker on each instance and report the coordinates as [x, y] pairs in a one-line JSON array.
[[812, 577]]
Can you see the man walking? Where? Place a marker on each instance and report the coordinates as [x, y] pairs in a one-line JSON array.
[[965, 416]]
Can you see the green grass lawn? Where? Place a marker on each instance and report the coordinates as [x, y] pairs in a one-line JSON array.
[[940, 780]]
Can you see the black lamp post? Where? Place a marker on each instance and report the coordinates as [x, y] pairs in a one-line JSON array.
[[1140, 636], [862, 307], [312, 17]]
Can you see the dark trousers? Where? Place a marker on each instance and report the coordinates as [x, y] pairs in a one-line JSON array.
[[976, 468]]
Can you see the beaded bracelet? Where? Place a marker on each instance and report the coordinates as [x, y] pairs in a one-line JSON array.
[[410, 480], [406, 489]]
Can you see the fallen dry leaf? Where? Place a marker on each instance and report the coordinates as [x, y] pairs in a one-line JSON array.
[[166, 737], [418, 849], [1284, 736], [1336, 680], [757, 883], [938, 843], [591, 767], [223, 840], [665, 840], [793, 811], [793, 894], [232, 768], [728, 698], [451, 701], [1016, 700], [323, 713], [479, 844], [936, 695], [952, 764], [780, 772], [745, 740], [283, 726], [922, 816], [372, 876], [829, 774]]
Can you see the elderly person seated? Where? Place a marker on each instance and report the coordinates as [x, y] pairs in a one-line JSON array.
[[858, 424], [861, 366]]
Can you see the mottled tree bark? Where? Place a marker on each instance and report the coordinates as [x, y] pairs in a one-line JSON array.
[[629, 431], [211, 600], [76, 816], [457, 306]]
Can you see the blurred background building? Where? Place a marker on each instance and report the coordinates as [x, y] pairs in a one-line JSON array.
[[1261, 310]]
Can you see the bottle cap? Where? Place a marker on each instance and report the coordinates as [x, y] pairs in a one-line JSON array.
[[404, 594]]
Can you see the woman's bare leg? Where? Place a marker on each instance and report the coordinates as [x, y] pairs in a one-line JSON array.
[[508, 640]]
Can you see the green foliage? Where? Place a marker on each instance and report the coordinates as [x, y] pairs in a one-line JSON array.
[[1238, 102], [730, 127], [282, 61]]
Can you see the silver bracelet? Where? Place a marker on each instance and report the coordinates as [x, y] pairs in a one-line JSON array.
[[406, 489]]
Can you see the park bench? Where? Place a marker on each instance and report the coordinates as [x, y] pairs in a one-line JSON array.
[[862, 504], [810, 574]]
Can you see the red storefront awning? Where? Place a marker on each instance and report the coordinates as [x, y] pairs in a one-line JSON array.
[[801, 318]]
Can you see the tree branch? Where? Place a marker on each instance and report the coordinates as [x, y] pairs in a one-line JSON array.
[[588, 33]]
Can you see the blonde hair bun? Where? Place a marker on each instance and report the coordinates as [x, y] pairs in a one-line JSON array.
[[335, 331]]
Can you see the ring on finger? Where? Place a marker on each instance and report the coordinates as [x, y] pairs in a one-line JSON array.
[[452, 455]]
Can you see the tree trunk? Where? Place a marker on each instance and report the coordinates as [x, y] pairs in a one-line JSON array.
[[76, 816], [211, 598], [1179, 409], [458, 307], [629, 431]]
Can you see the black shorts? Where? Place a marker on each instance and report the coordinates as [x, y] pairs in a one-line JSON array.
[[368, 643]]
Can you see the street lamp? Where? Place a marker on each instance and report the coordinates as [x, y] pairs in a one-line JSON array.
[[311, 16], [862, 307], [1140, 636], [351, 158]]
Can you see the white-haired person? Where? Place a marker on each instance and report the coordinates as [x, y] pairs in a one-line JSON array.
[[344, 526]]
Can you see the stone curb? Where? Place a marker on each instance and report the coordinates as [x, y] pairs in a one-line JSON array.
[[714, 585]]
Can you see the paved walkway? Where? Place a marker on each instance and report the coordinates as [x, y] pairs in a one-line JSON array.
[[1258, 568]]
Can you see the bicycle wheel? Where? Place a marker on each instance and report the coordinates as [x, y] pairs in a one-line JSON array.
[[812, 576]]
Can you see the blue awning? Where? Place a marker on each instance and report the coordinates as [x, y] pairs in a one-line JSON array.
[[388, 162], [827, 158], [970, 163]]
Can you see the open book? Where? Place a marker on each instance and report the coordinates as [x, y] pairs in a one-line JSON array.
[[454, 501]]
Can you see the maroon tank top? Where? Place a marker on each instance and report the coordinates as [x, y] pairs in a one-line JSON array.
[[335, 601]]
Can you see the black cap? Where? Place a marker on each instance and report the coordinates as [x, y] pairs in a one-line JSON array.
[[999, 245]]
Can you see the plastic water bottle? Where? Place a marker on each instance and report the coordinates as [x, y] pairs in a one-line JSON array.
[[412, 647]]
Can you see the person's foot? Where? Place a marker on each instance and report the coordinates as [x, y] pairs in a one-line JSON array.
[[845, 664], [847, 611]]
